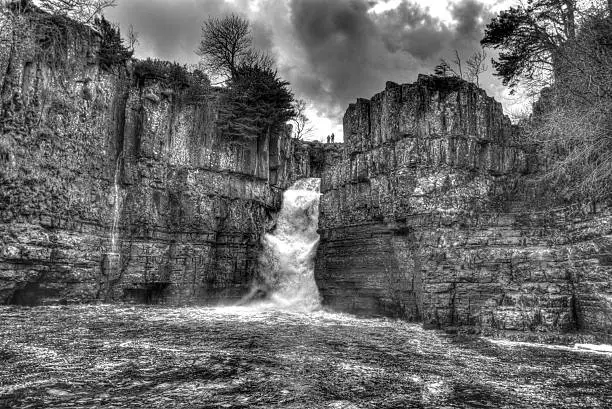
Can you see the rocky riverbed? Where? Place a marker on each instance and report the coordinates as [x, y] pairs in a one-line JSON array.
[[129, 357]]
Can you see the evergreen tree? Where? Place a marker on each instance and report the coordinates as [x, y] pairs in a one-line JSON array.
[[113, 50], [256, 102], [530, 38], [569, 49]]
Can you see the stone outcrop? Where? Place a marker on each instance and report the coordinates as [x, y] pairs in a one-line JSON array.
[[117, 189], [428, 216], [304, 159]]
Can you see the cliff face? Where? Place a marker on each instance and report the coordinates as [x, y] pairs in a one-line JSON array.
[[427, 217], [116, 189], [113, 190], [305, 159]]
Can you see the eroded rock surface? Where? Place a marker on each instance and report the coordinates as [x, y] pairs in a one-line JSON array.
[[116, 189], [429, 216]]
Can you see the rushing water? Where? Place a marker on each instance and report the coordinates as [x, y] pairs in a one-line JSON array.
[[287, 262], [248, 357], [116, 209], [295, 356]]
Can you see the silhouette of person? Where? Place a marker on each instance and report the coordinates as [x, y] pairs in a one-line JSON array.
[[332, 138], [327, 138]]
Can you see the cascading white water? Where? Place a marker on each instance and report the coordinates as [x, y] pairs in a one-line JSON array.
[[111, 260], [116, 210], [287, 262]]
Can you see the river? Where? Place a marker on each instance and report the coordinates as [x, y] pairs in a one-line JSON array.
[[257, 357]]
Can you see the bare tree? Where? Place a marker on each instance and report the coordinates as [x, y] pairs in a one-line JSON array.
[[225, 43], [302, 126], [572, 125], [132, 38], [575, 146], [255, 58], [476, 65], [84, 11], [457, 62]]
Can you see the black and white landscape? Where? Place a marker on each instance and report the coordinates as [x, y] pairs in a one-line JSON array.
[[305, 204]]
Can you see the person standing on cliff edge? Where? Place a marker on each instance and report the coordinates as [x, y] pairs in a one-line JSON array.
[[327, 138], [332, 138]]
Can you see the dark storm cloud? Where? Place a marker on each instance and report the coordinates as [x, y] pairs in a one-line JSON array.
[[339, 41], [405, 19], [262, 36], [470, 16], [351, 51], [412, 29], [331, 51]]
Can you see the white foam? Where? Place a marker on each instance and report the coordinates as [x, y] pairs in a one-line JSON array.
[[601, 348], [287, 262], [593, 348]]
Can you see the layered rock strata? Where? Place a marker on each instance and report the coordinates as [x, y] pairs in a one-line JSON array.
[[117, 189], [303, 159], [427, 217]]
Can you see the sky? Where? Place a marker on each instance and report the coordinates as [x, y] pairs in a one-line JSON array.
[[331, 51]]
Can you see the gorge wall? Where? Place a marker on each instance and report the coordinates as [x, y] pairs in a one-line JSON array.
[[431, 215], [121, 188]]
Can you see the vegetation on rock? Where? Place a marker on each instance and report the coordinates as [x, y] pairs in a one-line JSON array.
[[256, 101], [194, 86], [83, 11], [567, 47], [475, 65], [55, 27], [226, 43], [113, 50]]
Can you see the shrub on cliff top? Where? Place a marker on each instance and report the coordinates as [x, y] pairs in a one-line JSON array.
[[51, 33], [170, 74], [195, 85], [54, 31]]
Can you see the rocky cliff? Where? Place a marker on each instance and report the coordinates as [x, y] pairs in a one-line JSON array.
[[117, 186], [429, 216], [304, 159]]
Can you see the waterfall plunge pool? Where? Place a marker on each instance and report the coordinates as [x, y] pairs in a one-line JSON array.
[[280, 352], [238, 357]]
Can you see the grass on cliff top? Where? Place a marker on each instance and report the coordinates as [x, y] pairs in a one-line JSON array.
[[152, 357]]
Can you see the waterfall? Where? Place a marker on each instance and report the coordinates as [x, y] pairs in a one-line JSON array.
[[287, 262], [116, 209], [111, 260]]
